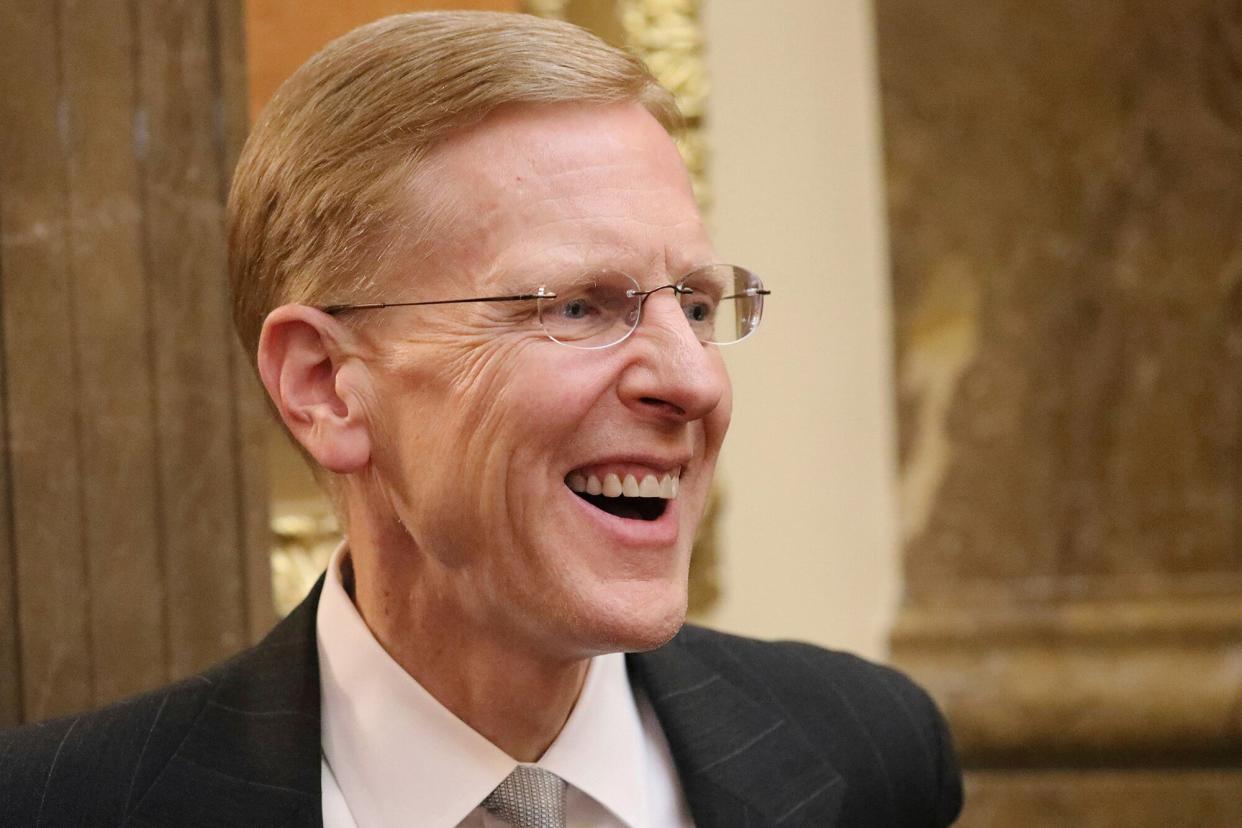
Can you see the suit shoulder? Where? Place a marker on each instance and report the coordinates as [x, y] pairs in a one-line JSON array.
[[870, 720], [91, 768], [795, 663]]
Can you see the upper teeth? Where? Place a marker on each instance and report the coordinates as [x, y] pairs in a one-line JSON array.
[[630, 486]]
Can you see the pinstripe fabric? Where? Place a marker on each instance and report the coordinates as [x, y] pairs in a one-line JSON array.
[[238, 745], [789, 734], [762, 734]]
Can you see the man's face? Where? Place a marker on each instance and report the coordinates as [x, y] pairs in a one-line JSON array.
[[481, 423]]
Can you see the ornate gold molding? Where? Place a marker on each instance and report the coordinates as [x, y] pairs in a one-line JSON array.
[[668, 36], [553, 9], [305, 540]]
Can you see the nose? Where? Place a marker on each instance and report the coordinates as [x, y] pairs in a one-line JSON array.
[[671, 375]]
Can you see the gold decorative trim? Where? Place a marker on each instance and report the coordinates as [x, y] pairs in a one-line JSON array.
[[305, 540], [668, 36], [552, 9]]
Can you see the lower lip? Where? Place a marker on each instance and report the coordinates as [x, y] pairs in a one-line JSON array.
[[661, 532]]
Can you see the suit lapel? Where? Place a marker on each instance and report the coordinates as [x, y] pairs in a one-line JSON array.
[[252, 757], [741, 762]]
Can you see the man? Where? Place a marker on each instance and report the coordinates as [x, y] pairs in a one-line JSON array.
[[467, 259]]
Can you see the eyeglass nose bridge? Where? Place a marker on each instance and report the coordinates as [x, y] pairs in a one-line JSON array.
[[644, 295], [678, 290]]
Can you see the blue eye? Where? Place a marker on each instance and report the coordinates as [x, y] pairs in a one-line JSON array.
[[600, 306], [576, 309], [698, 311]]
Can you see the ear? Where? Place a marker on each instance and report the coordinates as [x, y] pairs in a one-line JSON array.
[[303, 362]]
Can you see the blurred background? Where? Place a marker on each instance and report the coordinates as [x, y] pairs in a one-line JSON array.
[[990, 431]]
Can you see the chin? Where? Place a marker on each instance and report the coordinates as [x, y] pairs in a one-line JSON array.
[[632, 623], [654, 635]]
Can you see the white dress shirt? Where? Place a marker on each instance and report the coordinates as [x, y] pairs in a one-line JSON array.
[[394, 756]]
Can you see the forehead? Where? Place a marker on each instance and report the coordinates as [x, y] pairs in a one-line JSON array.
[[560, 187]]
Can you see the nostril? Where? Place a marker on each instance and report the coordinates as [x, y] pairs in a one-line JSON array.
[[663, 405]]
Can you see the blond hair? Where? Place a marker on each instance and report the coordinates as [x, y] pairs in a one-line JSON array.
[[324, 181]]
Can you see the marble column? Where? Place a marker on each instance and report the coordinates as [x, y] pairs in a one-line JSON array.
[[133, 537], [1065, 199]]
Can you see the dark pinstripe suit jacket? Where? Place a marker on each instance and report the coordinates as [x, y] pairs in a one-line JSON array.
[[762, 734]]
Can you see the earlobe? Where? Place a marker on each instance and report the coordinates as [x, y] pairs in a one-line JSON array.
[[311, 378]]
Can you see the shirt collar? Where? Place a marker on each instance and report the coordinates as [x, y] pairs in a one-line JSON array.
[[600, 749], [401, 757]]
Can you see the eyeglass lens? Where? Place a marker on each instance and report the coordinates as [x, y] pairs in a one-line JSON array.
[[721, 303]]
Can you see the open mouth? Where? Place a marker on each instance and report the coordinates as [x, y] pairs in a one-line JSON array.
[[626, 497]]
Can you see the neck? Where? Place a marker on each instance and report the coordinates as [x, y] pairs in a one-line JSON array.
[[510, 693]]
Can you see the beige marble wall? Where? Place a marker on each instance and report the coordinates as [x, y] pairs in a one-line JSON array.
[[1065, 199], [808, 531]]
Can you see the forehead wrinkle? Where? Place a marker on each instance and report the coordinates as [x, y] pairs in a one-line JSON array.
[[657, 187], [617, 229], [575, 183], [512, 176], [650, 256], [625, 251], [619, 168], [633, 245], [534, 185], [590, 210]]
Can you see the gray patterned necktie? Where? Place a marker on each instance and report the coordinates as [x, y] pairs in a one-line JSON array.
[[530, 797]]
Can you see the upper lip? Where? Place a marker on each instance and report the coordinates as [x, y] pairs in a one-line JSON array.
[[661, 464]]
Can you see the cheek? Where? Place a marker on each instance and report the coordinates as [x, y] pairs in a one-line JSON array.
[[488, 413], [554, 396]]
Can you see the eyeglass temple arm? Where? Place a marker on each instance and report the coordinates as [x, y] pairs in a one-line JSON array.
[[749, 292], [520, 297], [682, 289]]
